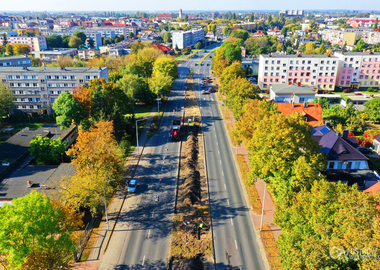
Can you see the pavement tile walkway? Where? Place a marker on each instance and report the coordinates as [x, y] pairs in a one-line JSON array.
[[114, 207]]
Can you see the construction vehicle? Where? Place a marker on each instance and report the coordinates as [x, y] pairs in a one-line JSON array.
[[176, 130]]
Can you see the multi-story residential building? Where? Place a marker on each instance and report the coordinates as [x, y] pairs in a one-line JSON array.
[[15, 61], [120, 30], [292, 13], [183, 39], [339, 37], [246, 26], [36, 88], [371, 37], [34, 43], [358, 69], [317, 71], [22, 31]]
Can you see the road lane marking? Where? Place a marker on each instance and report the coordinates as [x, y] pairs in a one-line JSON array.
[[218, 152], [143, 260], [149, 234], [220, 161], [228, 202], [236, 244], [225, 186], [223, 173], [217, 143], [215, 135], [232, 224]]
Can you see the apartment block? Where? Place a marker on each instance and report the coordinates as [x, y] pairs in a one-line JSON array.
[[34, 43], [88, 53], [15, 61], [317, 71], [36, 88], [358, 69], [184, 39], [339, 37]]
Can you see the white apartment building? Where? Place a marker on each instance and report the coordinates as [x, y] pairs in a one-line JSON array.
[[36, 88], [339, 37], [15, 61], [317, 71], [183, 39]]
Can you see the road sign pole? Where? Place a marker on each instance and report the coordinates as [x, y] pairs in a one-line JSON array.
[[262, 211]]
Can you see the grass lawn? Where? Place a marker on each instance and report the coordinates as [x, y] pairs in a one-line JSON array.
[[141, 111]]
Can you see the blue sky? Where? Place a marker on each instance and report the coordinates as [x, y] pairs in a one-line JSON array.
[[153, 5]]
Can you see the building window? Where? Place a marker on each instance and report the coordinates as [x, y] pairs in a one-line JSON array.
[[331, 164], [349, 165]]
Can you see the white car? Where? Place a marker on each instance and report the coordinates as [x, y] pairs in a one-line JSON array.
[[132, 186]]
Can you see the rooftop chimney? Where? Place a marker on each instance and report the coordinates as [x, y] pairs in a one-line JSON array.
[[345, 133], [305, 104], [337, 133]]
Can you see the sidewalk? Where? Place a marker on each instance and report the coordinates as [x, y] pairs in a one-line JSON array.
[[269, 207], [103, 236]]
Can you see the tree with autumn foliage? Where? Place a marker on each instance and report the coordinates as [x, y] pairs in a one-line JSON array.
[[230, 74], [83, 97], [35, 233], [98, 159], [240, 93], [325, 220]]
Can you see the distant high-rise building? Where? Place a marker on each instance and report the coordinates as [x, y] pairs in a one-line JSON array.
[[292, 13], [180, 13], [215, 15]]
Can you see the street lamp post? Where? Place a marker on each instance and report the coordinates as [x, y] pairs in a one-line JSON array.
[[262, 211], [105, 201], [137, 136]]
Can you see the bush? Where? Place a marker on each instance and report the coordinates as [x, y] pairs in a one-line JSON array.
[[366, 142], [347, 90], [370, 89]]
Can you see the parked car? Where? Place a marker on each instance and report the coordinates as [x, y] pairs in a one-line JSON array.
[[208, 80], [203, 92], [210, 89], [364, 150], [358, 94], [132, 186], [203, 85]]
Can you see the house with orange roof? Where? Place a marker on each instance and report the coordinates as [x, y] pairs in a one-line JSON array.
[[312, 112], [259, 34], [375, 189], [164, 17], [164, 49]]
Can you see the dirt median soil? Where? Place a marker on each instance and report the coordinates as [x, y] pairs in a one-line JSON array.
[[191, 246]]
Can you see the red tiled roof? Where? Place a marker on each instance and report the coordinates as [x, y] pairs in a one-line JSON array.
[[259, 33], [375, 189], [118, 24], [313, 112], [164, 15], [161, 47]]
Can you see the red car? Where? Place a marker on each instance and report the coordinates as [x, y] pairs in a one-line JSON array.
[[208, 80], [358, 94]]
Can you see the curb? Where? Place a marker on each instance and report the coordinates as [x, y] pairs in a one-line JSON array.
[[258, 236]]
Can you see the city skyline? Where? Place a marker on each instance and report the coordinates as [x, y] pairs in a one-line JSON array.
[[196, 5]]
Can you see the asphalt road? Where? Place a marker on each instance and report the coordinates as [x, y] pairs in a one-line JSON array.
[[235, 242], [142, 234]]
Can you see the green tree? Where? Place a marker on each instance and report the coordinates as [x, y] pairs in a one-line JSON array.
[[372, 109], [54, 41], [313, 26], [166, 66], [6, 100], [81, 35], [230, 74], [47, 151], [186, 18], [198, 45], [321, 49], [9, 49], [29, 34], [252, 17], [67, 110], [5, 40], [360, 46], [239, 33], [75, 42], [375, 24], [227, 31], [167, 37], [91, 43], [131, 35], [233, 52], [33, 225], [65, 41], [241, 92], [160, 84]]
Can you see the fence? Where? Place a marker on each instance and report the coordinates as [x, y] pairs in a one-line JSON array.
[[84, 238]]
